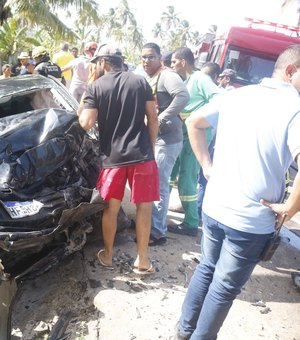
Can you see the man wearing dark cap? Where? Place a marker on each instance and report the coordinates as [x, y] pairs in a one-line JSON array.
[[120, 102], [166, 58], [226, 79]]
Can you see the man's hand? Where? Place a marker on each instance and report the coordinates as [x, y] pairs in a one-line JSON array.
[[279, 210], [207, 171]]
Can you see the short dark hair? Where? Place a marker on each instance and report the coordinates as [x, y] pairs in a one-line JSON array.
[[290, 55], [113, 60], [153, 46], [186, 54], [214, 69]]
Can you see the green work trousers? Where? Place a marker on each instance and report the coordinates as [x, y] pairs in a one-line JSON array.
[[186, 170]]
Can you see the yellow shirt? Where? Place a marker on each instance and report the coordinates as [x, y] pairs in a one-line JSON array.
[[61, 59]]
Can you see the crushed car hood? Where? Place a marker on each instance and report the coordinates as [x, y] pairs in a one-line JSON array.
[[48, 165]]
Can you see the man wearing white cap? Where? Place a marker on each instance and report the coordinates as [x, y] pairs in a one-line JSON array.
[[23, 59]]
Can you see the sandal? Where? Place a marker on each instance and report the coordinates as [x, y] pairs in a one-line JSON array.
[[103, 264], [149, 271]]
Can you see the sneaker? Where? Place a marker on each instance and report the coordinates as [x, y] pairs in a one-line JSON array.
[[182, 229]]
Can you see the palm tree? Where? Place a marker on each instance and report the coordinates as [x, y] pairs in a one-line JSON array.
[[121, 25], [158, 31], [170, 18], [43, 13], [184, 32], [136, 37], [124, 15]]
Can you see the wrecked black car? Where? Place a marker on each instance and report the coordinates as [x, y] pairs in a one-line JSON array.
[[48, 168]]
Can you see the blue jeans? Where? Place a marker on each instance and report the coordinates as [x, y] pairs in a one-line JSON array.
[[165, 157], [228, 259], [201, 190]]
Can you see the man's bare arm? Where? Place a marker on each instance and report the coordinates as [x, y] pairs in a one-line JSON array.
[[81, 104], [152, 121], [87, 118], [196, 125]]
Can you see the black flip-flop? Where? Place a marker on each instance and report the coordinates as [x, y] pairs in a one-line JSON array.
[[157, 241]]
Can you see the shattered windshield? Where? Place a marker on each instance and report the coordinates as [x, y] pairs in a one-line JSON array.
[[32, 93]]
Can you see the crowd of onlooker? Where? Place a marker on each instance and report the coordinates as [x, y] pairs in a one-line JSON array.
[[170, 113], [157, 125]]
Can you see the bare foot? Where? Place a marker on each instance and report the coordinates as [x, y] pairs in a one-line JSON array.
[[104, 260]]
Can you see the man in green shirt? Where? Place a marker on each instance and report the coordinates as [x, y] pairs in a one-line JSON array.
[[201, 89]]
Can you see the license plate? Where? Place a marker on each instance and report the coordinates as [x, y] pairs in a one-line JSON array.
[[17, 209]]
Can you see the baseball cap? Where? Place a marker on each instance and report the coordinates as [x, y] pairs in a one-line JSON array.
[[228, 72], [107, 51], [166, 56], [38, 51]]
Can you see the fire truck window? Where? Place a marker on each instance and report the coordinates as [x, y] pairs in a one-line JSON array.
[[250, 68], [244, 66]]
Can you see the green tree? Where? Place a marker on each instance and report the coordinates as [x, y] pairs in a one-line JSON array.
[[44, 13], [158, 31], [124, 15], [121, 26], [170, 18], [14, 38], [174, 32]]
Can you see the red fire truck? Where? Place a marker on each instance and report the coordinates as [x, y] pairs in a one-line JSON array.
[[251, 51]]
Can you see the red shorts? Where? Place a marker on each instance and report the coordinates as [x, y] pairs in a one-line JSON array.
[[143, 180]]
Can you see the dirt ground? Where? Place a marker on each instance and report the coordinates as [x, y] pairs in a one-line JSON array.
[[94, 303]]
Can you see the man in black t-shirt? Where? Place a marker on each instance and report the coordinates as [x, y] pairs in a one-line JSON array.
[[119, 102]]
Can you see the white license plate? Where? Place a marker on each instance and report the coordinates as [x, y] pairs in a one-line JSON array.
[[22, 209]]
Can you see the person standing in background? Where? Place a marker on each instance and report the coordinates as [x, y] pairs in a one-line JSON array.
[[212, 69], [74, 52], [80, 70], [23, 59], [6, 71], [201, 89], [226, 79], [62, 58], [89, 51], [123, 105], [166, 58], [171, 97]]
